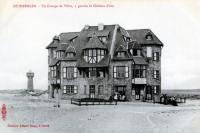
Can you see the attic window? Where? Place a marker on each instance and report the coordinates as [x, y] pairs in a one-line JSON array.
[[72, 40], [127, 39], [149, 36], [103, 39], [70, 54], [94, 55], [121, 54]]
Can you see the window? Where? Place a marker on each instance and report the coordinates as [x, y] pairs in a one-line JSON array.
[[64, 90], [120, 54], [135, 52], [103, 39], [70, 72], [149, 37], [94, 72], [156, 74], [156, 89], [100, 89], [85, 89], [93, 55], [54, 54], [70, 89], [127, 39], [120, 72], [156, 56], [149, 51], [53, 72], [70, 54], [59, 54], [139, 71], [100, 73]]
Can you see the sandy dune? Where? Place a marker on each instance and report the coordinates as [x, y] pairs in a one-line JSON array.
[[129, 117]]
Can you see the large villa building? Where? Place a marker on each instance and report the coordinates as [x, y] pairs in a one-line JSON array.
[[100, 61]]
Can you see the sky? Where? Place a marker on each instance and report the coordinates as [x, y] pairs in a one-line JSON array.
[[25, 32]]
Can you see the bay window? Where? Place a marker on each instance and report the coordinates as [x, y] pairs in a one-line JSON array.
[[120, 71], [139, 71], [53, 72], [70, 72]]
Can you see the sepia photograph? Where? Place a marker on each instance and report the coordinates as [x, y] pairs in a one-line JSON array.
[[99, 66]]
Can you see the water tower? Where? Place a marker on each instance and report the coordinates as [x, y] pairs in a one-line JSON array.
[[30, 76]]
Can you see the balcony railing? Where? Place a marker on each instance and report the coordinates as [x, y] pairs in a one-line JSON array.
[[139, 80]]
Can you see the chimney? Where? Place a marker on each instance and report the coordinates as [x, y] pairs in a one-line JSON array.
[[100, 26], [56, 38], [86, 27]]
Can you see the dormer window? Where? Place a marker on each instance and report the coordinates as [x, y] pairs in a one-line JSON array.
[[70, 54], [73, 40], [70, 51], [121, 54], [126, 39], [149, 36], [135, 52], [93, 55], [103, 39]]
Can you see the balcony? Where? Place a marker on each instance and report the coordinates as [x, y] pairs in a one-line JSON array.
[[139, 81]]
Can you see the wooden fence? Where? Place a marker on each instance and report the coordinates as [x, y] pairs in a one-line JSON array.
[[81, 102]]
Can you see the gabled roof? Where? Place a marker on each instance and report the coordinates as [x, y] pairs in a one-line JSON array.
[[115, 39], [66, 37], [124, 32], [98, 33], [53, 62], [54, 43], [121, 48], [134, 45], [140, 37], [94, 42], [70, 48], [61, 47]]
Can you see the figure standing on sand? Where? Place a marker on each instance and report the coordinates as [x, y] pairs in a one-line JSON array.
[[115, 98], [57, 93]]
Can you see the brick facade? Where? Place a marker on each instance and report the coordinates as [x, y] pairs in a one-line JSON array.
[[101, 62]]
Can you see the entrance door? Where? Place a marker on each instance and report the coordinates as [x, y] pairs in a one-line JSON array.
[[121, 92], [137, 93], [92, 91], [149, 93]]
